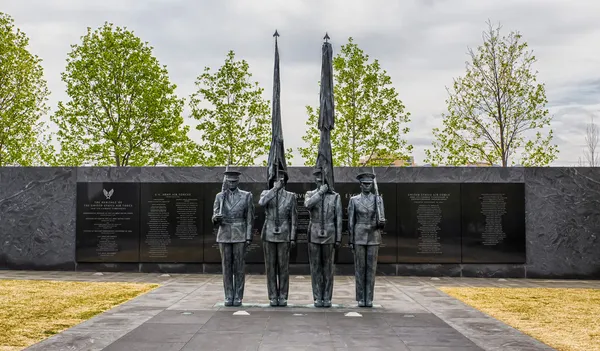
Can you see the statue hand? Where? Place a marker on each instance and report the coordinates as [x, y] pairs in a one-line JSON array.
[[323, 188], [381, 223], [293, 244], [352, 247], [218, 218], [337, 244]]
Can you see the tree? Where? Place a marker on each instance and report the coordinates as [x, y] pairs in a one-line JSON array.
[[234, 118], [368, 114], [23, 96], [123, 110], [591, 154], [497, 110]]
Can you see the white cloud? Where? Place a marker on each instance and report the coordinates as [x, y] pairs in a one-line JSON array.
[[422, 44]]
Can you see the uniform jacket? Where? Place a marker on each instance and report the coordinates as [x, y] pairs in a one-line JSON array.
[[288, 215], [333, 217], [238, 216], [362, 219]]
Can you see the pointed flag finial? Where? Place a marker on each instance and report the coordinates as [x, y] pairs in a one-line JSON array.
[[275, 34], [326, 37]]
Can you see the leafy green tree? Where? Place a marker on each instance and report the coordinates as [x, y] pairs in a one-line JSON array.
[[368, 114], [122, 110], [234, 118], [496, 112], [23, 96]]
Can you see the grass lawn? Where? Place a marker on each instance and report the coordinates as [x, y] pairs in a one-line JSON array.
[[32, 310], [565, 319]]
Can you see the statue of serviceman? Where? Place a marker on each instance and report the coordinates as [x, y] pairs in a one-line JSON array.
[[366, 219], [233, 212], [325, 235], [278, 235]]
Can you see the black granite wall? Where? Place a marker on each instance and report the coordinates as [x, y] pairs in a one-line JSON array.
[[562, 217]]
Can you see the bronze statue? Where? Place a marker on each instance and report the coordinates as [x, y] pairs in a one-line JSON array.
[[233, 212], [366, 219], [278, 235], [324, 236]]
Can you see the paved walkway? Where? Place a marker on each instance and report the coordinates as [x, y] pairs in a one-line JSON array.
[[186, 313]]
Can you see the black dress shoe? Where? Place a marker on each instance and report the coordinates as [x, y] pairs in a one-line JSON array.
[[326, 303], [228, 302], [273, 302], [361, 303], [369, 304], [282, 301], [237, 302], [318, 303]]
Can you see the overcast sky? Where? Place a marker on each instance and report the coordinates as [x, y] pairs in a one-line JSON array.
[[421, 43]]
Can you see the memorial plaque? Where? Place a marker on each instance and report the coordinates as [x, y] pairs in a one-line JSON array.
[[171, 223], [388, 248], [429, 223], [107, 222], [211, 248], [493, 222]]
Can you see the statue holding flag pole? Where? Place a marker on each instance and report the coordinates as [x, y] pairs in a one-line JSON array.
[[279, 229], [324, 204], [366, 220]]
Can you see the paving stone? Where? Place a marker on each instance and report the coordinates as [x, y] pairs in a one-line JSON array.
[[366, 325], [298, 338], [365, 342], [224, 341], [274, 347], [305, 322], [69, 340], [182, 317], [445, 348], [156, 332], [143, 346], [413, 320], [235, 324], [432, 336]]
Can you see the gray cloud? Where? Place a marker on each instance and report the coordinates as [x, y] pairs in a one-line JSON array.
[[422, 45]]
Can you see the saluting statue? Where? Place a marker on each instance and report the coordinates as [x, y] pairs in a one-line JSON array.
[[233, 212], [366, 218], [278, 235], [325, 235]]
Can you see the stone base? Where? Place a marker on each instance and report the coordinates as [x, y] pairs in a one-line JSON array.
[[383, 269], [291, 305]]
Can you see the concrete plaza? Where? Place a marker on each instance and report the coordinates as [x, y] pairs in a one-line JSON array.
[[186, 313]]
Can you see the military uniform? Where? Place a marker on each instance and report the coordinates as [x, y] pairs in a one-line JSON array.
[[365, 236], [277, 245], [322, 240], [235, 231]]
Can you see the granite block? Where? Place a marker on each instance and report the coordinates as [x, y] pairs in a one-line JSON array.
[[38, 210], [493, 270], [429, 270], [563, 222], [37, 222], [492, 175], [171, 267], [108, 267], [108, 174]]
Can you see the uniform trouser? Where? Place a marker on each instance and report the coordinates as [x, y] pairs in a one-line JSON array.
[[365, 266], [321, 270], [277, 258], [232, 261]]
